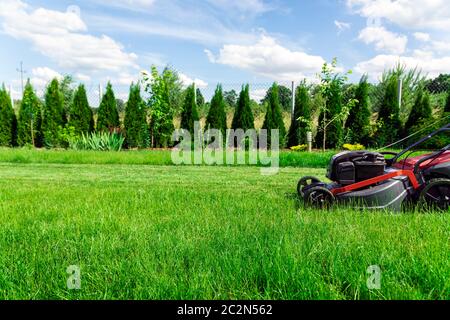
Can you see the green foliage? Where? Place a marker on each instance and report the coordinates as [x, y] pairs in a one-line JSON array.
[[301, 122], [332, 114], [217, 118], [67, 90], [189, 114], [243, 115], [274, 116], [389, 124], [284, 97], [438, 85], [162, 88], [30, 119], [135, 122], [230, 98], [8, 121], [358, 121], [447, 102], [98, 141], [412, 79], [52, 114], [80, 114], [108, 116], [421, 111]]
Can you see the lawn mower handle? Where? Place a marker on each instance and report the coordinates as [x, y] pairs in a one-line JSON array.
[[431, 156], [428, 137]]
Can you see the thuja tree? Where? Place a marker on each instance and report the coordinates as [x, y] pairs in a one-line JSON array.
[[284, 97], [189, 113], [80, 114], [52, 114], [301, 121], [421, 111], [389, 124], [332, 112], [135, 122], [358, 121], [108, 116], [159, 87], [243, 115], [29, 120], [8, 121], [217, 118], [274, 116]]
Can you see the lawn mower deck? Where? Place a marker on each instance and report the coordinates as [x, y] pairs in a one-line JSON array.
[[366, 179]]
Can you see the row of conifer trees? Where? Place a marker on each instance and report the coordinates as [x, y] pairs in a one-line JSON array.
[[46, 122]]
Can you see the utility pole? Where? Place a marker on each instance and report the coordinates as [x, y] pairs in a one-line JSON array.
[[21, 74]]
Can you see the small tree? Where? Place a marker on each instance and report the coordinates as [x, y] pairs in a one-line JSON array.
[[80, 114], [135, 122], [29, 120], [217, 118], [274, 116], [301, 122], [421, 111], [243, 115], [8, 121], [189, 113], [358, 121], [389, 124], [333, 112], [161, 87], [52, 114], [108, 116]]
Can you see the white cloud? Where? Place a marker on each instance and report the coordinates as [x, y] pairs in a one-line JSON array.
[[410, 14], [61, 36], [43, 75], [342, 26], [423, 60], [187, 81], [384, 40], [269, 59], [82, 77], [422, 36], [258, 94]]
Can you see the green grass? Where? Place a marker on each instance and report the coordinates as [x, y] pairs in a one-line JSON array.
[[199, 232], [143, 157]]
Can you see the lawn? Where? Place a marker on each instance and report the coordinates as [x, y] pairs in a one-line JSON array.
[[197, 232]]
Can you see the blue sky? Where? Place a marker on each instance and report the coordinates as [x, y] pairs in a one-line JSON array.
[[227, 41]]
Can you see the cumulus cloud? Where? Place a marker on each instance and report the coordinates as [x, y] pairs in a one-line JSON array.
[[384, 40], [269, 59], [432, 66], [187, 81], [62, 37], [410, 14], [422, 36], [41, 76]]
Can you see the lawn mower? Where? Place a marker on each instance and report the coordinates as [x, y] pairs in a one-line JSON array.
[[366, 179]]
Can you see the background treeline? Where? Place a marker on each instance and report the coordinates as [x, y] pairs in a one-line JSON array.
[[334, 110]]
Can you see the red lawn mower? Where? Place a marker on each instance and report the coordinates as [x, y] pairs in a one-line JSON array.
[[367, 179]]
